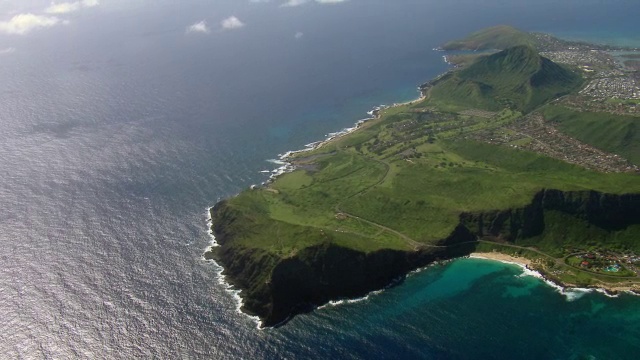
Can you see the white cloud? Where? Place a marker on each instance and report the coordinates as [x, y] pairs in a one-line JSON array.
[[231, 23], [290, 3], [24, 23], [63, 8], [298, 35], [6, 51], [69, 7], [199, 27]]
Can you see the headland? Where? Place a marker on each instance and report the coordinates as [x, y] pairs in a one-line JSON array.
[[498, 155]]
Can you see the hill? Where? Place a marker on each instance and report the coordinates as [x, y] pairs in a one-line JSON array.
[[493, 38], [517, 78], [617, 134], [415, 185]]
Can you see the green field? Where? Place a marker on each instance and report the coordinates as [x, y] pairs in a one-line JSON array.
[[411, 172], [402, 181], [613, 133]]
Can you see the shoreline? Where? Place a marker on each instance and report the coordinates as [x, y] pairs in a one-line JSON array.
[[286, 167], [286, 162], [285, 159], [569, 290], [221, 278], [504, 258]]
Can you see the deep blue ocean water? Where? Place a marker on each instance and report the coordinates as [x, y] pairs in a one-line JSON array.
[[119, 129]]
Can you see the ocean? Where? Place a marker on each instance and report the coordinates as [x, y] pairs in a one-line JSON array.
[[122, 122]]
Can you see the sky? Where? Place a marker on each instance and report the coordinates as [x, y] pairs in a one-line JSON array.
[[24, 17], [21, 19]]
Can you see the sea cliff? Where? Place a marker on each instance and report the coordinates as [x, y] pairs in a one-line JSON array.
[[606, 211], [431, 180], [274, 287]]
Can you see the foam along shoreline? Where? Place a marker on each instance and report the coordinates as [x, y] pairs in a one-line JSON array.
[[213, 243], [284, 159], [285, 167], [395, 282], [222, 279], [235, 293], [570, 292]]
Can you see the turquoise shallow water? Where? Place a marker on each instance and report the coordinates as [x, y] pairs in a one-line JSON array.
[[479, 309]]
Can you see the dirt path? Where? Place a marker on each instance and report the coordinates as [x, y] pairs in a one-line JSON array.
[[416, 245]]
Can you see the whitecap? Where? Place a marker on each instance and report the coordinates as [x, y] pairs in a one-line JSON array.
[[276, 161], [235, 293], [213, 243], [608, 294], [285, 167], [570, 293], [334, 303]]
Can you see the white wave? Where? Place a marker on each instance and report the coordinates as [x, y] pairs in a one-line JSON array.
[[286, 166], [570, 293], [235, 293], [277, 161], [212, 236], [632, 293], [283, 159], [607, 294], [573, 294], [331, 303], [313, 144], [334, 303]]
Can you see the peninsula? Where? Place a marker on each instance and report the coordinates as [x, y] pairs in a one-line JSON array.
[[530, 149]]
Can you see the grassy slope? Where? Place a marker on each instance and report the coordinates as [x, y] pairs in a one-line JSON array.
[[366, 175], [613, 133], [516, 78], [497, 37], [421, 199], [567, 232]]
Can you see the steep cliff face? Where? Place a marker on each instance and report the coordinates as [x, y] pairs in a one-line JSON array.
[[276, 287], [606, 211], [326, 272]]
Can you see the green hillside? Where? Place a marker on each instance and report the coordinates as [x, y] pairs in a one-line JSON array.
[[617, 134], [496, 37], [516, 78], [422, 182]]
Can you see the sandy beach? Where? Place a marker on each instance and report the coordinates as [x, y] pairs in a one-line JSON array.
[[609, 288], [501, 257]]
